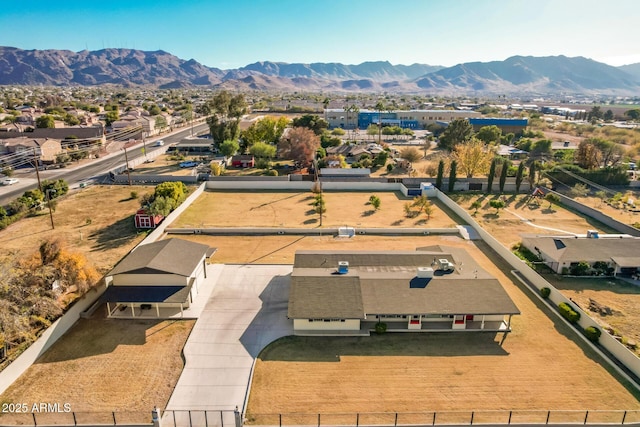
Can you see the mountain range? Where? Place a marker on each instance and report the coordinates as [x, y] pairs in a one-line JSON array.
[[130, 67]]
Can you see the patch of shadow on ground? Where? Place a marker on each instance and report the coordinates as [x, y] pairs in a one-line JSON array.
[[330, 349], [115, 235]]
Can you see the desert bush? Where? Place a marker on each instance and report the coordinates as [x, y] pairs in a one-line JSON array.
[[545, 292], [592, 333]]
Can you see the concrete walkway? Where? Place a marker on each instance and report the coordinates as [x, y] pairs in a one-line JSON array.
[[246, 311], [528, 221]]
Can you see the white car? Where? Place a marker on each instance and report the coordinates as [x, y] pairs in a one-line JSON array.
[[159, 143], [10, 181]]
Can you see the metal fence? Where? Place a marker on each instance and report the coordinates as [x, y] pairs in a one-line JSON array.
[[224, 418], [500, 417], [58, 416]]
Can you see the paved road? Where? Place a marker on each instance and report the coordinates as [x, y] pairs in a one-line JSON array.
[[92, 170], [246, 310]]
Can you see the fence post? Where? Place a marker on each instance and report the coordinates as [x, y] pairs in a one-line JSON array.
[[395, 423], [471, 418], [206, 420], [509, 422], [624, 416], [190, 423], [221, 419], [75, 423], [237, 417], [586, 415], [113, 414], [434, 418], [280, 419], [155, 416], [174, 418], [548, 415], [358, 419], [318, 420], [33, 414]]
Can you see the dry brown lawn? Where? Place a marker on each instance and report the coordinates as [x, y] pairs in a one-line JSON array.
[[105, 365], [540, 365], [109, 236], [294, 209], [508, 225]]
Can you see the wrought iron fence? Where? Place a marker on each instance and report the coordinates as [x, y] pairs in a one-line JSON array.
[[436, 418], [57, 416], [220, 418]]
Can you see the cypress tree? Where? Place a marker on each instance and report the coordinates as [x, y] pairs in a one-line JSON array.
[[503, 175], [440, 175], [519, 176], [452, 175], [532, 175], [492, 172]]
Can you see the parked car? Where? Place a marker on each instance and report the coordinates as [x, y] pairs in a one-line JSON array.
[[188, 164], [159, 143], [10, 181]]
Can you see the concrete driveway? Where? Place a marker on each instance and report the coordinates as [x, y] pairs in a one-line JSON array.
[[246, 311]]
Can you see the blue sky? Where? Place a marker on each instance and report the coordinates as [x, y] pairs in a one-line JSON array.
[[234, 33]]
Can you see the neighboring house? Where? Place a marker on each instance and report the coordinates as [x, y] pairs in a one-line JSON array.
[[44, 149], [243, 161], [351, 153], [157, 279], [511, 152], [434, 288], [194, 145], [144, 219], [620, 253]]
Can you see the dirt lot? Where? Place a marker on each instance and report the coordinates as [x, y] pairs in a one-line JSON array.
[[293, 209], [105, 365], [96, 221], [539, 365], [509, 224]]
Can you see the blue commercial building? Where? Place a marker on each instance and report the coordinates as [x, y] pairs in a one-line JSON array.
[[410, 119], [507, 125]]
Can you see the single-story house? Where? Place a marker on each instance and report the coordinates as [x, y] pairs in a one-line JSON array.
[[430, 289], [243, 161], [153, 277], [620, 253], [144, 219], [44, 149]]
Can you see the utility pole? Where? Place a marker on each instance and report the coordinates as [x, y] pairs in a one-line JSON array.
[[126, 159], [35, 163], [48, 192]]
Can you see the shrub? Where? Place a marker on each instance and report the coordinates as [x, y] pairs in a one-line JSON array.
[[545, 292], [381, 328], [592, 333], [389, 167], [134, 195], [568, 312], [271, 172]]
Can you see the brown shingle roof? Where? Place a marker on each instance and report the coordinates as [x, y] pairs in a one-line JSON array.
[[317, 297], [172, 256]]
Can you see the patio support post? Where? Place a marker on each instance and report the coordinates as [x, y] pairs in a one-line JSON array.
[[482, 324], [157, 309], [108, 310], [133, 311], [181, 310]]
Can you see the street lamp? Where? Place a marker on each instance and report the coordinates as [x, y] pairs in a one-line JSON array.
[[48, 192]]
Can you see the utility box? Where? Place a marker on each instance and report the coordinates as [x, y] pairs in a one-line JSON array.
[[445, 265], [343, 267]]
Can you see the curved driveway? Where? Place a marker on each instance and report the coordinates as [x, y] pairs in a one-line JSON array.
[[245, 311]]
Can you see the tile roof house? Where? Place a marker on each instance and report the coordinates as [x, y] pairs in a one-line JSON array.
[[44, 148], [434, 288], [161, 275], [620, 253]]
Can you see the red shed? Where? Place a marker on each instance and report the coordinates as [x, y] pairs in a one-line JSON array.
[[243, 161], [143, 219]]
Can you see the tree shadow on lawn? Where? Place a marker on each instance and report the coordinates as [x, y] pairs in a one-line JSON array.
[[311, 212], [115, 235], [330, 349], [310, 221], [368, 212], [489, 216]]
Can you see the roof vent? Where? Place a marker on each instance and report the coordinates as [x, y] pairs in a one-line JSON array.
[[424, 273], [343, 267]]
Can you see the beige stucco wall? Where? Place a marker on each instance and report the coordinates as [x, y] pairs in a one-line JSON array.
[[149, 280], [305, 325]]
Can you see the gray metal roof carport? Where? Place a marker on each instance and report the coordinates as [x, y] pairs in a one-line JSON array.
[[155, 295]]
